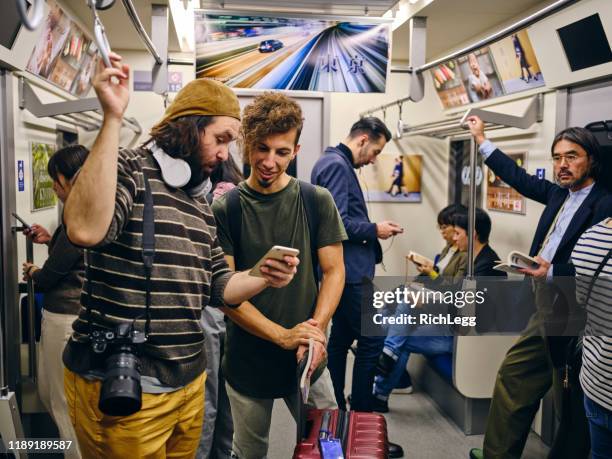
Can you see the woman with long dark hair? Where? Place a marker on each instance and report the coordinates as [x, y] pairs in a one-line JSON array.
[[60, 279]]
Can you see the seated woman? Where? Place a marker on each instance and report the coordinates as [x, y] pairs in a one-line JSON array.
[[449, 266], [450, 260], [436, 340]]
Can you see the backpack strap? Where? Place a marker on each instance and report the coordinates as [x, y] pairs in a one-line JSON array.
[[234, 222], [308, 193]]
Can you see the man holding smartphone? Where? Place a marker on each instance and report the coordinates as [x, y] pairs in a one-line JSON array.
[[164, 297], [269, 334], [335, 170]]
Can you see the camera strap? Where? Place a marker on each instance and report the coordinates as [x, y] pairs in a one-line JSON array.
[[148, 248], [148, 254]]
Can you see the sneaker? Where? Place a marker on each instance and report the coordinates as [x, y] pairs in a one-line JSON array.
[[476, 453], [380, 406], [385, 364]]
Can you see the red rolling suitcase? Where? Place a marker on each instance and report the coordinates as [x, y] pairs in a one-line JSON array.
[[360, 435], [336, 434]]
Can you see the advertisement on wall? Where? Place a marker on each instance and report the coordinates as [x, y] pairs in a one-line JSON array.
[[448, 84], [393, 178], [267, 52], [507, 66], [63, 54], [501, 196], [42, 184], [480, 76], [516, 63]]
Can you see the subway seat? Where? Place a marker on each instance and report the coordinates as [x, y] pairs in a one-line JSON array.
[[461, 383]]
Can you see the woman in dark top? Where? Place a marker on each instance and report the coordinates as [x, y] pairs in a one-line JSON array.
[[485, 258], [60, 279]]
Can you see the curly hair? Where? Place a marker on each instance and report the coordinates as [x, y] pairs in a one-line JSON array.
[[270, 113], [180, 138]]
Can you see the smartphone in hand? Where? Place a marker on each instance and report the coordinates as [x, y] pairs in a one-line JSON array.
[[21, 220], [277, 252]]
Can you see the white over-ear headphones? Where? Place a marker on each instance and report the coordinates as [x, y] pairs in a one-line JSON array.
[[175, 172]]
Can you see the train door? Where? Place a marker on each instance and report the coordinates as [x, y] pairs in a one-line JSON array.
[[25, 147], [10, 380], [315, 134]]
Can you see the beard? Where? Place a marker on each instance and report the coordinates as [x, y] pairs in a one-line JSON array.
[[198, 173], [264, 183], [576, 182]]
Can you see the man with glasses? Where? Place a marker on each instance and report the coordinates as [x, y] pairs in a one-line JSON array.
[[573, 203]]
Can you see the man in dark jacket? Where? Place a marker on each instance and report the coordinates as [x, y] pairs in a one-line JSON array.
[[335, 170], [574, 203]]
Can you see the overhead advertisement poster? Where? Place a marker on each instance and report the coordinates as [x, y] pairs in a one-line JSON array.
[[448, 84], [517, 63], [480, 76], [267, 52], [64, 54], [506, 66]]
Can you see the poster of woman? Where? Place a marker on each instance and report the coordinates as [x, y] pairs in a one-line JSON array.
[[516, 62]]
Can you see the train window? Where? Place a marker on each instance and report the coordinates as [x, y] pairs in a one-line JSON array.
[[585, 43]]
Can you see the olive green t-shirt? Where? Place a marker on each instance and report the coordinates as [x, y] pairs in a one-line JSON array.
[[253, 366]]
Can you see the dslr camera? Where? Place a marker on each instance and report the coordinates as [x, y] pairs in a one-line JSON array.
[[121, 392]]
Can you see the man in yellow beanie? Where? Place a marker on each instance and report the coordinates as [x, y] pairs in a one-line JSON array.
[[153, 263]]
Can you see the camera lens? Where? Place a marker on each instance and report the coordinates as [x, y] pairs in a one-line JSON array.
[[121, 392]]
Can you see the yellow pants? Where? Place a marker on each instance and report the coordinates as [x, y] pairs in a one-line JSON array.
[[167, 426]]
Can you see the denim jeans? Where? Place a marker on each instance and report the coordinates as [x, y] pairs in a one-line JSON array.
[[346, 327], [400, 347], [600, 425]]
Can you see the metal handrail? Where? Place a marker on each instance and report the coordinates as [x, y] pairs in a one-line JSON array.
[[32, 366], [100, 34], [38, 11], [32, 357], [131, 11]]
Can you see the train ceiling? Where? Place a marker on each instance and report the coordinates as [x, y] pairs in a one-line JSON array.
[[450, 23]]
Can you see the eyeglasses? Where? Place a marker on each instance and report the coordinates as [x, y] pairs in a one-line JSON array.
[[569, 157]]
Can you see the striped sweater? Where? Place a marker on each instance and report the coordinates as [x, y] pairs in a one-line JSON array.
[[189, 273], [588, 254]]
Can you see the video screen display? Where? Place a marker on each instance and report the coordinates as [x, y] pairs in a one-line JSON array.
[[585, 43], [266, 52]]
